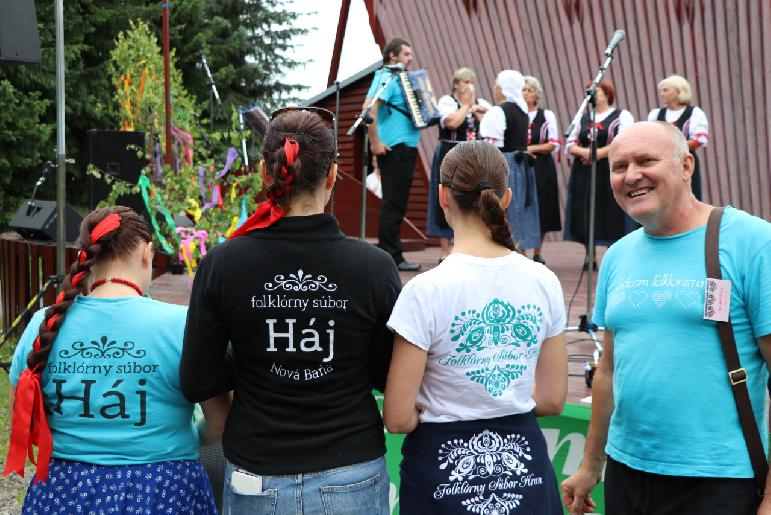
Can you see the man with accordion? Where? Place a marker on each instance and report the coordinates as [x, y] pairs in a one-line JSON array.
[[393, 139]]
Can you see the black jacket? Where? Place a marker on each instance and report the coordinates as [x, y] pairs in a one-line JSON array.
[[305, 310]]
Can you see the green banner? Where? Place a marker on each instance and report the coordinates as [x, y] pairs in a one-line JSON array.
[[565, 439]]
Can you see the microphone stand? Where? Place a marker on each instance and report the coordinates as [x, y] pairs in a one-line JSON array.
[[366, 118], [586, 325], [243, 139], [44, 174], [213, 93], [337, 115]]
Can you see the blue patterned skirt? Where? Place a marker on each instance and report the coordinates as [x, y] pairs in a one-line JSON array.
[[163, 487], [522, 213], [436, 223], [497, 465]]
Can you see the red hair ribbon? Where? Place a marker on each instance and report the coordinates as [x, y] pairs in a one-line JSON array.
[[75, 279], [269, 212], [52, 321], [29, 427], [105, 226], [82, 257]]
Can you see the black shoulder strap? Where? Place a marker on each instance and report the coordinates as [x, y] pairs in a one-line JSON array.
[[394, 106], [737, 375]]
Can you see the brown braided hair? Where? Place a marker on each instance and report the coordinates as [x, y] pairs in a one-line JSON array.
[[476, 174], [117, 243], [311, 166]]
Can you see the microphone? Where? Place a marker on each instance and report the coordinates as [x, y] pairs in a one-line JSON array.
[[398, 67], [617, 37]]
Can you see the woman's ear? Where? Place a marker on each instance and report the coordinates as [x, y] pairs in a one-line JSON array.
[[506, 199], [331, 177], [443, 202], [147, 255]]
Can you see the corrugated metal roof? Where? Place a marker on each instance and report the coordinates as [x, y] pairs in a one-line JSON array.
[[723, 47]]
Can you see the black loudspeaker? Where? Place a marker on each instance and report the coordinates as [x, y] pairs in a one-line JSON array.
[[115, 154], [19, 41], [36, 220]]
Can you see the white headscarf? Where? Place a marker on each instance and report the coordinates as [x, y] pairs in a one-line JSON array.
[[512, 82]]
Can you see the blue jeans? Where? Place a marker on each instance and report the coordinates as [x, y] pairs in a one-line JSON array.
[[354, 489]]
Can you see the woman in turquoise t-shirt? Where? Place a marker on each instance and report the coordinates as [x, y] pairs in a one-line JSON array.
[[95, 386]]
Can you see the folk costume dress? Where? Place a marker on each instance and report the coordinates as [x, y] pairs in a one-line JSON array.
[[611, 223], [692, 121], [477, 447], [543, 129], [448, 138], [505, 126]]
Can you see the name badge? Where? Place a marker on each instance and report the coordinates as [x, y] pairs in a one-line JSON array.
[[717, 300]]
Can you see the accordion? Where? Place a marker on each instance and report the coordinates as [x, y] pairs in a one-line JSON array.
[[420, 98]]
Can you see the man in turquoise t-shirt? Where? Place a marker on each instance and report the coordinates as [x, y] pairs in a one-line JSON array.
[[393, 139], [662, 405]]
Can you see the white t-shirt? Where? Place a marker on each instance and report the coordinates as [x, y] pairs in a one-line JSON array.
[[697, 126], [482, 322]]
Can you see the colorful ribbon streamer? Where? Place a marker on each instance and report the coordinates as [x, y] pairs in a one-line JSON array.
[[188, 244], [194, 210], [148, 191], [185, 141], [231, 157]]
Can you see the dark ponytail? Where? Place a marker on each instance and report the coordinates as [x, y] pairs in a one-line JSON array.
[[116, 238], [493, 215], [476, 174], [309, 167]]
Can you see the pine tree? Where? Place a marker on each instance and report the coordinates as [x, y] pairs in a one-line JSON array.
[[243, 40]]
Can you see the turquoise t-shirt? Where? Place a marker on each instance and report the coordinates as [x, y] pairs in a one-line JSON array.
[[674, 410], [112, 382], [393, 127]]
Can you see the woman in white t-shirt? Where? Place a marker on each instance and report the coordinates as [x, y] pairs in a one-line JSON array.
[[479, 353]]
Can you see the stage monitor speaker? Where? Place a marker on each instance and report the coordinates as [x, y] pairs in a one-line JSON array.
[[36, 220], [19, 41], [113, 153]]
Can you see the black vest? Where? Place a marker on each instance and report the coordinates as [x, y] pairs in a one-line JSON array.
[[461, 133], [680, 122], [535, 128], [604, 137], [517, 122]]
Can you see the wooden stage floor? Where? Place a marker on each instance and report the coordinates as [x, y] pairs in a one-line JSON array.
[[564, 258]]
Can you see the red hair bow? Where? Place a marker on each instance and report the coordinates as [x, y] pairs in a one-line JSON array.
[[269, 212]]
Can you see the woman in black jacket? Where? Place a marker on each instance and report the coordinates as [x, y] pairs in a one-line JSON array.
[[304, 309]]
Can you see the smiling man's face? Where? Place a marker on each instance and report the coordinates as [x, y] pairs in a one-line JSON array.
[[647, 181]]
